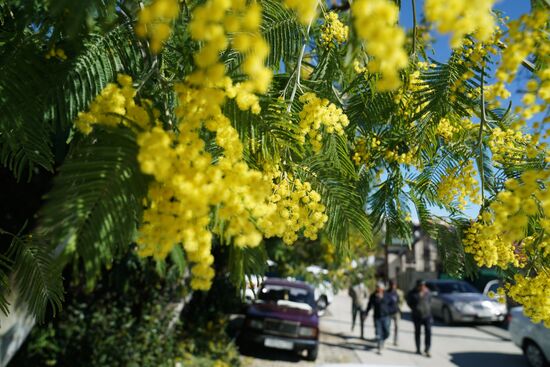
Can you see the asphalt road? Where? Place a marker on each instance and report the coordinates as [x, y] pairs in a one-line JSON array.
[[452, 346]]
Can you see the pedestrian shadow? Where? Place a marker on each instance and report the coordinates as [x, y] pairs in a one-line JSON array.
[[340, 335], [350, 345], [468, 359], [349, 342]]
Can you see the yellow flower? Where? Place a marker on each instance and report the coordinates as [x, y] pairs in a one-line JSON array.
[[154, 22], [462, 17], [375, 22], [333, 31]]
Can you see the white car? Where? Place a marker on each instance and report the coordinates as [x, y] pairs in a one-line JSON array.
[[252, 286], [324, 293], [533, 339]]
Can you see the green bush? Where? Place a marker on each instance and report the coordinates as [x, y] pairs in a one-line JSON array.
[[125, 321]]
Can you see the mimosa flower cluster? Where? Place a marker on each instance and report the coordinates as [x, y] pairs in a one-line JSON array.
[[459, 184], [155, 22], [187, 185], [305, 9], [456, 130], [501, 237], [319, 116], [496, 93], [488, 248], [375, 22], [446, 129], [114, 106], [524, 35], [462, 17], [369, 149], [508, 145], [532, 292], [298, 208], [527, 36], [333, 31], [195, 185], [56, 52], [472, 55], [210, 25], [408, 158], [517, 203], [366, 150]]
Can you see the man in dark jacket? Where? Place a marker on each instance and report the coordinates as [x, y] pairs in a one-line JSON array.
[[380, 303], [419, 300]]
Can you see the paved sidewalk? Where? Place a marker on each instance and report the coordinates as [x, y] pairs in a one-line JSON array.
[[462, 346]]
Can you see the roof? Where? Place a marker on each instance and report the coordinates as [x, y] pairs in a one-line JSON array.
[[288, 283]]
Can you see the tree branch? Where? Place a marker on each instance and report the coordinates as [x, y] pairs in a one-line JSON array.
[[480, 135], [413, 3], [298, 69]]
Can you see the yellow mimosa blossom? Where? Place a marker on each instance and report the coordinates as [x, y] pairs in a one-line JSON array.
[[154, 22], [305, 9], [333, 31], [318, 116], [375, 22], [459, 184], [462, 17]]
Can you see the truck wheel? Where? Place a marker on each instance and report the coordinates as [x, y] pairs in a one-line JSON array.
[[311, 354]]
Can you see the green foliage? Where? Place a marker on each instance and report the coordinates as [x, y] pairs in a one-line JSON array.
[[24, 135], [282, 31], [96, 200], [458, 264], [246, 261], [36, 275], [332, 174], [127, 321]]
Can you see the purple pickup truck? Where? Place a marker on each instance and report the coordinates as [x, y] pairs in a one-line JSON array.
[[283, 317]]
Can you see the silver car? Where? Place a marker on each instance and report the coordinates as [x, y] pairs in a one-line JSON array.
[[458, 301], [533, 339]]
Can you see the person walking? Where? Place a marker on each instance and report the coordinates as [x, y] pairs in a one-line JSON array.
[[395, 296], [379, 303], [359, 294], [419, 300]]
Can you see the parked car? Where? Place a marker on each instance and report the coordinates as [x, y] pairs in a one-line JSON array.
[[324, 292], [533, 339], [324, 295], [458, 301], [284, 317], [252, 286]]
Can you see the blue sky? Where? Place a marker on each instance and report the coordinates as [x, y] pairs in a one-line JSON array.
[[512, 8]]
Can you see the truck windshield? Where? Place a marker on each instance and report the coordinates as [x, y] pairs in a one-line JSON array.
[[274, 293]]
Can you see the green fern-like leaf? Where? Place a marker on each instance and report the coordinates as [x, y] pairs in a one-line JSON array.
[[36, 275], [24, 135], [282, 31], [95, 203], [329, 175], [100, 60]]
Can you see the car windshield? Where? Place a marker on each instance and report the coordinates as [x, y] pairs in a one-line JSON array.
[[274, 293], [456, 287]]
